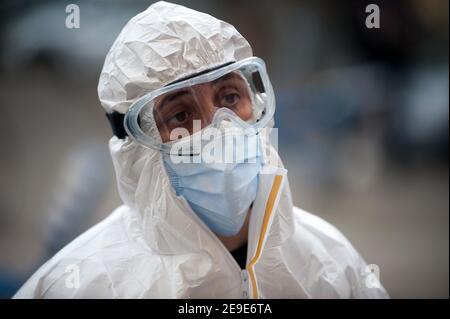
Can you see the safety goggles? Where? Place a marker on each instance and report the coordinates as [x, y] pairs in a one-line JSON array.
[[239, 92]]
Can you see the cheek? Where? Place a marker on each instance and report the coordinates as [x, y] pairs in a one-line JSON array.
[[165, 135], [163, 130]]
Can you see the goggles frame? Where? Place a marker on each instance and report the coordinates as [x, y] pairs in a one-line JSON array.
[[259, 78]]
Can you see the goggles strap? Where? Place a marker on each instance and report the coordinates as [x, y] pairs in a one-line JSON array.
[[201, 73], [116, 121]]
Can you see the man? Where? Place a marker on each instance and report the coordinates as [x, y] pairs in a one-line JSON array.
[[192, 227]]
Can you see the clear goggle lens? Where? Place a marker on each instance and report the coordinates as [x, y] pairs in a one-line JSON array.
[[241, 91]]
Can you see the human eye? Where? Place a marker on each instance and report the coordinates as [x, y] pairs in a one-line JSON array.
[[178, 118], [229, 98]]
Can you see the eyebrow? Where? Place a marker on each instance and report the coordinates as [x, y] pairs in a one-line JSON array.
[[173, 96], [226, 77]]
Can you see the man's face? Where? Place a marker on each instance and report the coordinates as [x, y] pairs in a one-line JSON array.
[[199, 102]]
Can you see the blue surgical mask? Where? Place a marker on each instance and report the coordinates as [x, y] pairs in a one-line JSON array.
[[220, 193]]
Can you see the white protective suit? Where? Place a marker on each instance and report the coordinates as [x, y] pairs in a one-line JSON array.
[[155, 246]]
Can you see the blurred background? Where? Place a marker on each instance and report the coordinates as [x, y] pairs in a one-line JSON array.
[[362, 118]]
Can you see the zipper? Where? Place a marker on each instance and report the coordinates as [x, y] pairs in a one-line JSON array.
[[243, 276], [242, 273], [245, 284]]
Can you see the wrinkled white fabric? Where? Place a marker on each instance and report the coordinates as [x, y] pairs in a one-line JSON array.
[[154, 246], [164, 43]]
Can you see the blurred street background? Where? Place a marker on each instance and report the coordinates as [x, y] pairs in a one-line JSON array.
[[362, 118]]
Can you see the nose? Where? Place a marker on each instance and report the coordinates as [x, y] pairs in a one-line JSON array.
[[206, 105]]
